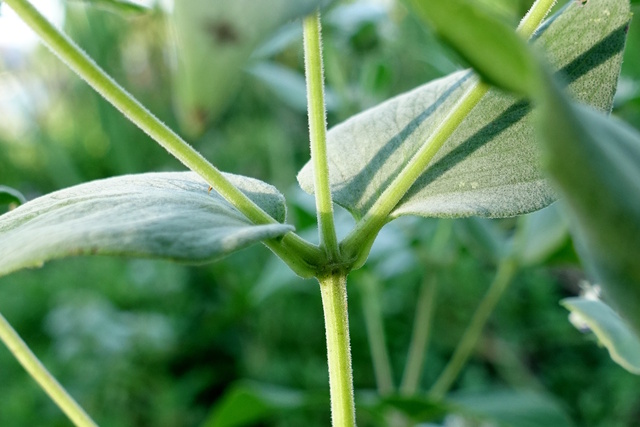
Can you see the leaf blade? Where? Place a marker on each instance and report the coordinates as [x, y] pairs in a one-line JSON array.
[[489, 165], [600, 192], [160, 215], [623, 345]]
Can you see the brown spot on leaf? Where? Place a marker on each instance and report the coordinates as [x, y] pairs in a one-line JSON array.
[[222, 32]]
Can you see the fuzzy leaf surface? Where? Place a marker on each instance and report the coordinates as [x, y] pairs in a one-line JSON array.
[[156, 215], [488, 167], [611, 330], [214, 39]]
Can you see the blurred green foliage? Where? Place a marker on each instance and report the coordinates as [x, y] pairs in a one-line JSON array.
[[148, 343]]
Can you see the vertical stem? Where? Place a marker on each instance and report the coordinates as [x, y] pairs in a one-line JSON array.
[[375, 333], [333, 288], [461, 355], [39, 373], [318, 133], [419, 337]]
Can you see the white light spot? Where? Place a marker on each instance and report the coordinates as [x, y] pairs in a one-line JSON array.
[[15, 34]]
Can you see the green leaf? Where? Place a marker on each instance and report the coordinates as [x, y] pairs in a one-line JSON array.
[[214, 39], [594, 161], [158, 215], [489, 166], [611, 330], [510, 408], [506, 408], [10, 196], [499, 55], [246, 403]]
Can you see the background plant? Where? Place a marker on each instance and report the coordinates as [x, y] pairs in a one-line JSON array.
[[415, 270]]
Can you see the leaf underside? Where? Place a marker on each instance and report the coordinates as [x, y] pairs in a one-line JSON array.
[[157, 215], [489, 166]]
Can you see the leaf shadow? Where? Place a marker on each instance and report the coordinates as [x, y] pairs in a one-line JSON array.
[[593, 57]]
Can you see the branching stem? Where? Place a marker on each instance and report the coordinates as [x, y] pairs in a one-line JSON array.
[[378, 214]]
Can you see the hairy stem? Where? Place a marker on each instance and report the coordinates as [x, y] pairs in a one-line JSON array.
[[419, 337], [318, 133], [334, 303], [467, 343], [38, 372], [375, 333], [534, 17], [378, 214], [99, 80]]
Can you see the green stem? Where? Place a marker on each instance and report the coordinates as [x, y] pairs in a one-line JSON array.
[[375, 333], [303, 252], [318, 133], [39, 373], [534, 17], [334, 303], [378, 214], [419, 337], [465, 347]]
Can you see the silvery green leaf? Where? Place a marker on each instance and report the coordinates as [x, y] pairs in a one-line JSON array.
[[611, 330], [594, 161], [488, 167], [159, 215], [213, 41]]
